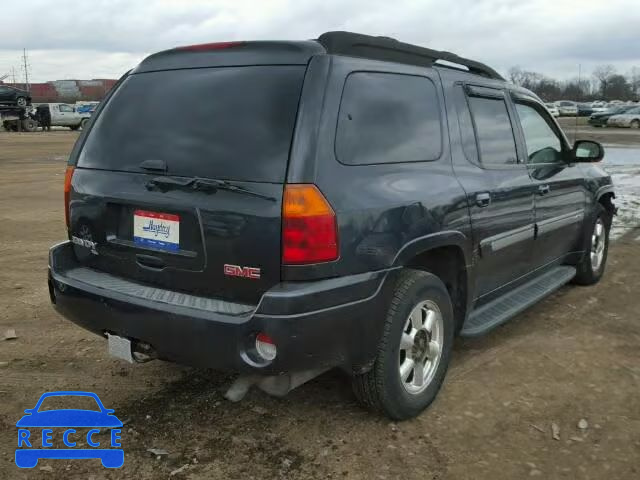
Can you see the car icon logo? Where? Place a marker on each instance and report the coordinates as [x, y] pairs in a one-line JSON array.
[[60, 434]]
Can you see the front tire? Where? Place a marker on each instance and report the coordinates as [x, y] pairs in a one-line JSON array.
[[591, 267], [414, 351], [635, 124], [21, 102]]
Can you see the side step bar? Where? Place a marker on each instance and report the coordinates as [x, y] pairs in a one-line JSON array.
[[498, 311]]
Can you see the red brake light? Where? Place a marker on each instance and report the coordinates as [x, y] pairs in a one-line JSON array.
[[68, 175], [202, 47], [309, 227]]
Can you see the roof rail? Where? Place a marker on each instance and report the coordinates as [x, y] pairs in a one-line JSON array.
[[391, 50]]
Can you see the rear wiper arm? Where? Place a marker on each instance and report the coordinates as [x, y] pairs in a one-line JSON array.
[[202, 184], [208, 184]]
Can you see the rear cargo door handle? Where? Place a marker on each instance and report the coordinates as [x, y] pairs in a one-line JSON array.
[[543, 189], [149, 261], [483, 199]]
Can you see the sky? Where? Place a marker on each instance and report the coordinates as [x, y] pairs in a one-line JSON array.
[[80, 39]]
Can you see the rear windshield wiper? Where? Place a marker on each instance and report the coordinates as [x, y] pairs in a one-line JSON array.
[[207, 185]]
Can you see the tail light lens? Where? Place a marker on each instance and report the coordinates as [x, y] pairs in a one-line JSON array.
[[309, 227], [67, 192]]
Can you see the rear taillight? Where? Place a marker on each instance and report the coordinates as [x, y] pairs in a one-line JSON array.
[[67, 192], [309, 227]]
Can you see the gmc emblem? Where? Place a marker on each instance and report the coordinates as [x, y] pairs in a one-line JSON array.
[[238, 271]]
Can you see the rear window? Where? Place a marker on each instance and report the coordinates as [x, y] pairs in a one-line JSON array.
[[388, 118], [225, 123]]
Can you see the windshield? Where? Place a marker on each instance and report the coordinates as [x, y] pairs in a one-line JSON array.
[[69, 402], [225, 123]]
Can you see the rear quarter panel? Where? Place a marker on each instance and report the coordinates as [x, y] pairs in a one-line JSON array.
[[386, 212]]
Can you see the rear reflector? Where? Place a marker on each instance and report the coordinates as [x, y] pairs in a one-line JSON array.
[[203, 47], [309, 227], [266, 347], [67, 192]]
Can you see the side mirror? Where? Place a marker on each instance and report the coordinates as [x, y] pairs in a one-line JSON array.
[[587, 151]]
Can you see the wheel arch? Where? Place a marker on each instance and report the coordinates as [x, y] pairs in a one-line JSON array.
[[446, 255]]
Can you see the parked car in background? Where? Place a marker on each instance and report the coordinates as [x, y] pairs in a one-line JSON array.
[[567, 108], [86, 107], [553, 110], [629, 119], [14, 96], [599, 119], [584, 109], [65, 115]]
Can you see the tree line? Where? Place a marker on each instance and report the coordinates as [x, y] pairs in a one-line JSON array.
[[604, 83]]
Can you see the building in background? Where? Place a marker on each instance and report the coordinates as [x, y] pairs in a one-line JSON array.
[[67, 91]]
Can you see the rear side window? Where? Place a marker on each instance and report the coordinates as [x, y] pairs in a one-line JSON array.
[[388, 118], [493, 131], [233, 123]]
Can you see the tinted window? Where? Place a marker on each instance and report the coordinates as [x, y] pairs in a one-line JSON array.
[[493, 129], [467, 135], [226, 123], [387, 118], [543, 145]]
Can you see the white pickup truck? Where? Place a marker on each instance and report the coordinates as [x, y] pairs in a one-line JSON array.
[[65, 115]]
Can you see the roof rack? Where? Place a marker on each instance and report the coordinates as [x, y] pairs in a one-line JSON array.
[[390, 49]]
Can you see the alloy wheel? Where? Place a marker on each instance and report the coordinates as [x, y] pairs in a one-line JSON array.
[[421, 347], [598, 243]]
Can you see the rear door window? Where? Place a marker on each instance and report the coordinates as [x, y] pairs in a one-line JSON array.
[[388, 118], [494, 131], [224, 123]]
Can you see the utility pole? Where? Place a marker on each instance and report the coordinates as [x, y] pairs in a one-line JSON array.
[[26, 69]]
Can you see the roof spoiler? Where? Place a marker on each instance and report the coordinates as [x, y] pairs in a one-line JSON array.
[[390, 49]]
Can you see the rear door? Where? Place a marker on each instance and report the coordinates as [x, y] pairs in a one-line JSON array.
[[498, 188], [180, 179], [560, 193]]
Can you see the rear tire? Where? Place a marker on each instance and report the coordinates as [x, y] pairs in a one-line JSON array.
[[83, 123], [635, 124], [21, 102], [414, 351], [591, 267]]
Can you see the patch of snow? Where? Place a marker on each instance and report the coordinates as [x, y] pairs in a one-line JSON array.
[[623, 164]]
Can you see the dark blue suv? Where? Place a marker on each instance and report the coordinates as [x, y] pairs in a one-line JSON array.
[[350, 202]]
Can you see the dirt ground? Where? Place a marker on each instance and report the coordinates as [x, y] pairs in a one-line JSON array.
[[574, 356]]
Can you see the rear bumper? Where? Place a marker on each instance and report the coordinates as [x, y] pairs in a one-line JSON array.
[[320, 324]]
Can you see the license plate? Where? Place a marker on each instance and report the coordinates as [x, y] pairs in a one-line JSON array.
[[120, 347], [157, 230]]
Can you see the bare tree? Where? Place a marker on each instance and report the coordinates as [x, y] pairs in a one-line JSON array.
[[634, 80], [603, 74]]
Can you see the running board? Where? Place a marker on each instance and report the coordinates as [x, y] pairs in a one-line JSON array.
[[498, 311]]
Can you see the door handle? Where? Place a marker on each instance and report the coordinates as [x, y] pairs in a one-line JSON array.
[[483, 199], [543, 189]]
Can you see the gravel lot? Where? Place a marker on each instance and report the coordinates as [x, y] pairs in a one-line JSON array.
[[575, 356]]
